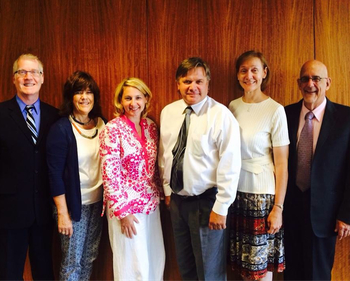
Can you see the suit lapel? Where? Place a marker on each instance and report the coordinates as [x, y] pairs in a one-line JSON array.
[[294, 125], [327, 125], [17, 116], [293, 115], [44, 121]]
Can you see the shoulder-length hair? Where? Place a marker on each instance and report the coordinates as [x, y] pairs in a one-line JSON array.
[[135, 83], [254, 54], [80, 81]]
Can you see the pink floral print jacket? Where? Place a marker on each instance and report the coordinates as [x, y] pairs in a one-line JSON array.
[[129, 172]]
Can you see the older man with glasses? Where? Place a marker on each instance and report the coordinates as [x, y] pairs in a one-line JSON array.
[[25, 209], [317, 203]]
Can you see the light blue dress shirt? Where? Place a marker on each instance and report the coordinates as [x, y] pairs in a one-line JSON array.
[[36, 111]]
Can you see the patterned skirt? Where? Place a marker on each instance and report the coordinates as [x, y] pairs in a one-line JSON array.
[[253, 251]]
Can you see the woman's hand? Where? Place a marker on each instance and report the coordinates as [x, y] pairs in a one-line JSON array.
[[127, 225], [274, 220], [65, 225], [64, 222]]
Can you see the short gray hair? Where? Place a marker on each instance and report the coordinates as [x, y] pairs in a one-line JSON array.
[[27, 57]]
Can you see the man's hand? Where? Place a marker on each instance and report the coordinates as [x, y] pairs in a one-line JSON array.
[[167, 201], [127, 225], [343, 229], [216, 221]]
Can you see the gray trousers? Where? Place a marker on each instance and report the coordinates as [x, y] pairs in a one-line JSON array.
[[200, 252]]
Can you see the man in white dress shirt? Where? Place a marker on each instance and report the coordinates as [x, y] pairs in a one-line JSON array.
[[211, 167]]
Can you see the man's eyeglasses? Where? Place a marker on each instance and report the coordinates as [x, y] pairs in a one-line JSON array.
[[315, 79], [33, 72]]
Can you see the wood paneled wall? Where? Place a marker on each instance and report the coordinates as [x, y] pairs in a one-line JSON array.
[[113, 39]]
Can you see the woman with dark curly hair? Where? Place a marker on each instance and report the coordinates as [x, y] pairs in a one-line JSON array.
[[75, 177]]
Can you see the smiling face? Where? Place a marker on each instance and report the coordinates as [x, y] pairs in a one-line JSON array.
[[133, 102], [194, 86], [314, 93], [251, 74], [28, 86], [83, 102]]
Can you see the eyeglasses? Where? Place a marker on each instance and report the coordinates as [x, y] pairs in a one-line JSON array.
[[33, 72], [315, 79]]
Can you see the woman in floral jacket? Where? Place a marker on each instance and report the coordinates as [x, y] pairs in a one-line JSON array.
[[130, 178]]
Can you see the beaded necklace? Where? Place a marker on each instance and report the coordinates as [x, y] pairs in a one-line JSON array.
[[83, 135], [79, 122]]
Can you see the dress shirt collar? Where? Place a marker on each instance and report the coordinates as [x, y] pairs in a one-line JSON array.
[[318, 111], [195, 107], [22, 105]]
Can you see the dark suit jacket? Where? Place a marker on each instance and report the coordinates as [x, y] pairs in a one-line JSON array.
[[24, 185], [330, 174]]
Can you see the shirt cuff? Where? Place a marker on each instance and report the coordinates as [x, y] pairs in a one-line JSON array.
[[167, 190], [220, 209]]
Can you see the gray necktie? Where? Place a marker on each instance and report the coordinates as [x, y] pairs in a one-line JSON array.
[[176, 181], [305, 152], [31, 123]]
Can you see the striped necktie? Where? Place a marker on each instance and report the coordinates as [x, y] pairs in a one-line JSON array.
[[176, 180], [31, 123]]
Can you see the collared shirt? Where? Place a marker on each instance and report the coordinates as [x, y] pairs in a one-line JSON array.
[[212, 156], [317, 121], [35, 112]]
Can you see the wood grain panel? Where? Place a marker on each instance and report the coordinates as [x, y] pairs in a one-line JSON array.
[[19, 33], [113, 39], [332, 37], [106, 38]]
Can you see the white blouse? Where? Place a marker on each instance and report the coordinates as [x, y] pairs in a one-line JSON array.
[[263, 126]]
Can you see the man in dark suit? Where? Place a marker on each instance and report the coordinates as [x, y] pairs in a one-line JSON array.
[[314, 217], [25, 209]]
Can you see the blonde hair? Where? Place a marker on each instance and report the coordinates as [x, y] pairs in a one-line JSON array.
[[135, 83], [27, 57]]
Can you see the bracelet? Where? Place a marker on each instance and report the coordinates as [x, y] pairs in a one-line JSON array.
[[279, 206]]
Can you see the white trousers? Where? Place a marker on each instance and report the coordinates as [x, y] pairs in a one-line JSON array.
[[143, 256]]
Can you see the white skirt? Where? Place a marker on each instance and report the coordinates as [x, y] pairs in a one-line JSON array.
[[143, 256]]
